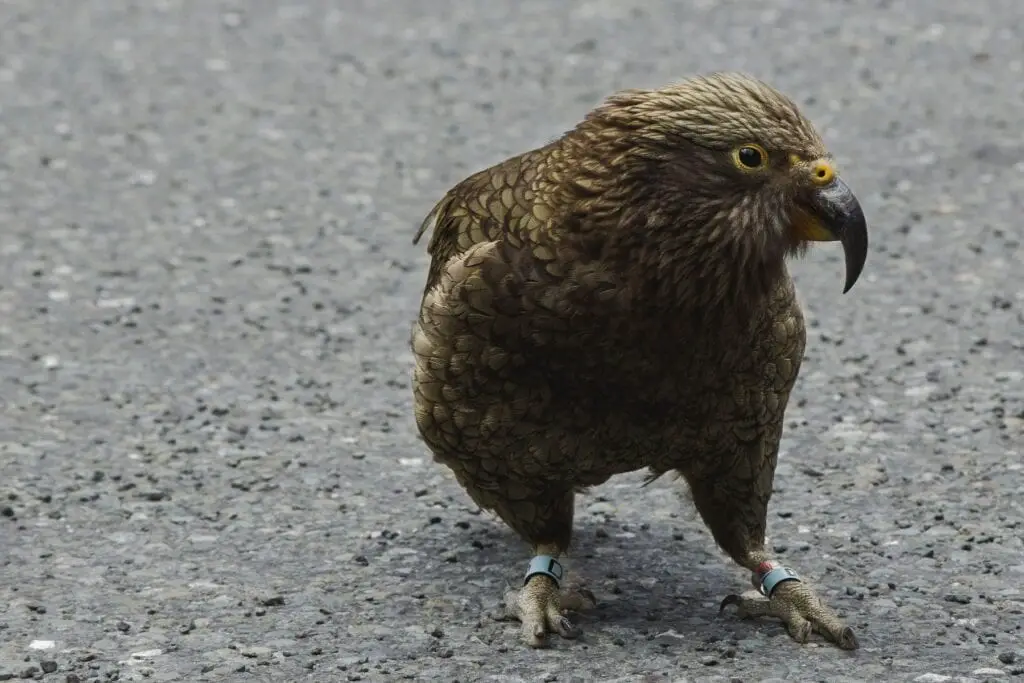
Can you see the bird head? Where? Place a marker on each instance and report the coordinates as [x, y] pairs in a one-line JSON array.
[[723, 164]]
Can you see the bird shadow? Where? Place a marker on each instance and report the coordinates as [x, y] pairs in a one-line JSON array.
[[647, 578]]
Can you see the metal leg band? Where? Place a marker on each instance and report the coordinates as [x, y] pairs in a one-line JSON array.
[[546, 565], [775, 576]]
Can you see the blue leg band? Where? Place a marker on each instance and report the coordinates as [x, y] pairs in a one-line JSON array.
[[773, 578], [546, 565]]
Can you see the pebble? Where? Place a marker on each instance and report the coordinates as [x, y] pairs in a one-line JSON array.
[[1007, 657], [254, 651], [272, 600], [669, 638], [356, 660], [932, 678], [988, 671], [750, 645], [48, 666]]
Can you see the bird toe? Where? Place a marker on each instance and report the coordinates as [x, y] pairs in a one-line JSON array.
[[800, 609], [540, 608]]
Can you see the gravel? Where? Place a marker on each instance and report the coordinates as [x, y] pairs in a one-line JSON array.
[[208, 470]]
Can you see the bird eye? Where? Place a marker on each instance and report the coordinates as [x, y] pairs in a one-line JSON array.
[[751, 156]]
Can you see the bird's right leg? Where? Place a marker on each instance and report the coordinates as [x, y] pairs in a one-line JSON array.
[[735, 509], [540, 605]]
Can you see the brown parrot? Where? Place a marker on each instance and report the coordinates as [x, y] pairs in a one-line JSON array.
[[619, 299]]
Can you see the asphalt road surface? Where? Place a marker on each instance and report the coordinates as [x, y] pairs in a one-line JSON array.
[[208, 467]]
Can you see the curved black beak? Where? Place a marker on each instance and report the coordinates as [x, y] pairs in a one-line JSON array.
[[839, 213]]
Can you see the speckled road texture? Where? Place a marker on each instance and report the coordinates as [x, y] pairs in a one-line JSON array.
[[208, 467]]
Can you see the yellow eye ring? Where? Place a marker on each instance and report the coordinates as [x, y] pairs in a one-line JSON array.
[[750, 157], [822, 172]]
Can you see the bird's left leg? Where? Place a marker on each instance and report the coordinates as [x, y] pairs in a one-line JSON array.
[[735, 509], [540, 605]]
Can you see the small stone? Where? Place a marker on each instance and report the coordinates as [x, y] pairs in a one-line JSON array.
[[669, 638], [255, 651], [48, 666], [348, 662], [144, 178], [123, 626], [749, 645], [1007, 657], [601, 508], [272, 600], [72, 678], [932, 678], [988, 671]]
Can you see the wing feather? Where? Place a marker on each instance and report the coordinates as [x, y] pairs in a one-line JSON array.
[[495, 204]]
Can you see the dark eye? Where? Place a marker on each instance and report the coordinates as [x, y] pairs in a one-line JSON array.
[[750, 156]]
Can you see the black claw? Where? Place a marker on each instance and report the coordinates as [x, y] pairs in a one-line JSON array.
[[848, 639], [567, 629], [731, 599]]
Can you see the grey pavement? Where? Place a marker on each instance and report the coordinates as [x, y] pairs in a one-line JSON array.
[[208, 467]]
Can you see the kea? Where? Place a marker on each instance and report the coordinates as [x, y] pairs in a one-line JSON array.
[[618, 300]]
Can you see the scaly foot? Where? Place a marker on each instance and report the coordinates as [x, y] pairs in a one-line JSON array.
[[795, 604], [540, 606]]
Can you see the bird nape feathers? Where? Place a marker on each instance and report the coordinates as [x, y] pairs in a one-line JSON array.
[[618, 299]]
